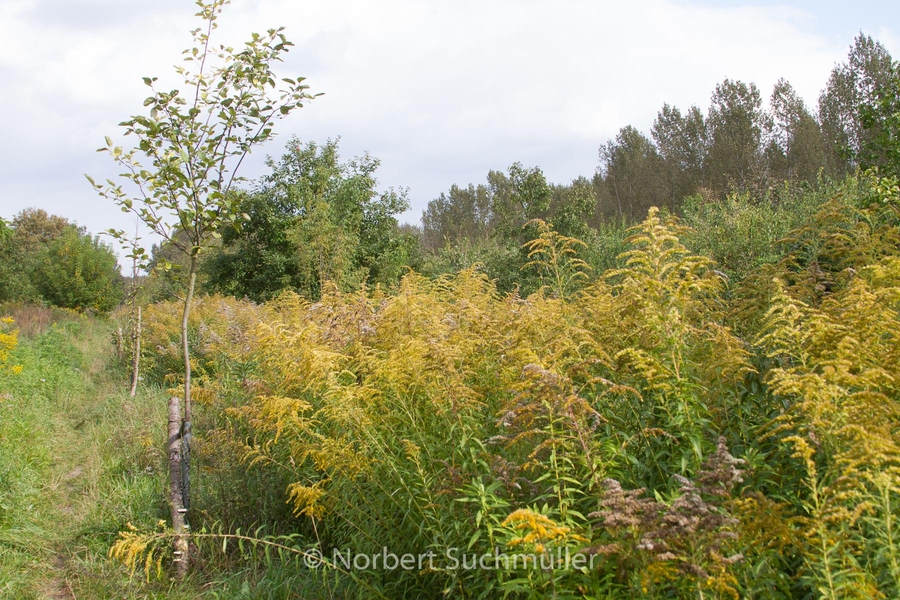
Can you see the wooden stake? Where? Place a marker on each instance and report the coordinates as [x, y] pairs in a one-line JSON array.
[[181, 549]]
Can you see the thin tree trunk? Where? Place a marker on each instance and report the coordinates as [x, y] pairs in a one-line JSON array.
[[618, 200], [135, 320], [119, 343], [186, 351], [186, 423], [181, 547], [136, 357]]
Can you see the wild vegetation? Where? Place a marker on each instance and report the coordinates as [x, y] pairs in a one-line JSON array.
[[46, 258], [677, 379], [695, 435]]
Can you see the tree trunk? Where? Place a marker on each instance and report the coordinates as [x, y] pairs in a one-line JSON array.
[[136, 353], [186, 351], [119, 343], [181, 546], [186, 423]]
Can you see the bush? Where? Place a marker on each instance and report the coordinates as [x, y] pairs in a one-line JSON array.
[[45, 259], [742, 233], [78, 271]]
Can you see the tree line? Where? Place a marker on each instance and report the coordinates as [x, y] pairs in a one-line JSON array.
[[316, 219], [736, 145]]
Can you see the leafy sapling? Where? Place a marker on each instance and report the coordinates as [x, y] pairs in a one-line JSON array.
[[179, 176]]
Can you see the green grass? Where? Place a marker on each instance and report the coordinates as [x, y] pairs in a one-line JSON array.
[[79, 460]]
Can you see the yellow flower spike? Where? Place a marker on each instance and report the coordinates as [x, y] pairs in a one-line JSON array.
[[539, 530]]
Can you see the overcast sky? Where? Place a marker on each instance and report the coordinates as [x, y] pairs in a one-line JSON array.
[[440, 91]]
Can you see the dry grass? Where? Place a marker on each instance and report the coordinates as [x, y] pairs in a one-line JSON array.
[[32, 319]]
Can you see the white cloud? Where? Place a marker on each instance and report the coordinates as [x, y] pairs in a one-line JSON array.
[[440, 91]]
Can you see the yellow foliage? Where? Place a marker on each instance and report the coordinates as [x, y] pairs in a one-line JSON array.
[[347, 385], [9, 339], [765, 525], [666, 304], [133, 548], [840, 372], [555, 258], [220, 330], [538, 531], [447, 396], [305, 499]]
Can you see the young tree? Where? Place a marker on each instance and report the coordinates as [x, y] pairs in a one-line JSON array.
[[179, 176]]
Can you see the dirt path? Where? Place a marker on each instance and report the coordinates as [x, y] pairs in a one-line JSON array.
[[58, 587]]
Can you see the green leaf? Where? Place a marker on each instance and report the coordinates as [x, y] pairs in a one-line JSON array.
[[475, 537]]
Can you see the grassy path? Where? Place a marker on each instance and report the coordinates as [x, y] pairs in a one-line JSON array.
[[79, 460]]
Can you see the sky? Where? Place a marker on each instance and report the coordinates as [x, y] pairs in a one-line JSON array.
[[440, 91]]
